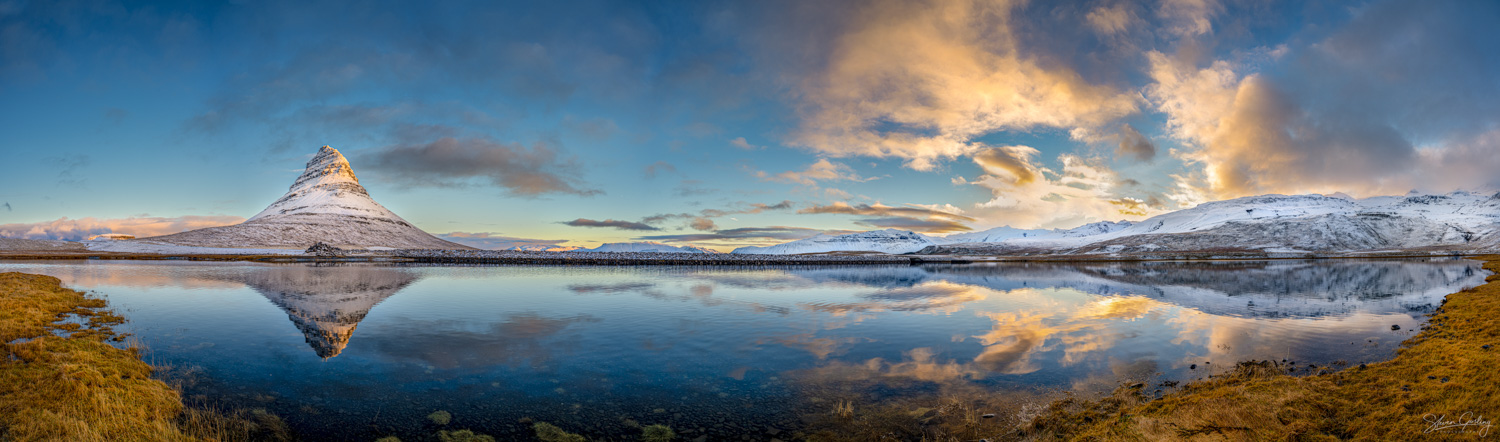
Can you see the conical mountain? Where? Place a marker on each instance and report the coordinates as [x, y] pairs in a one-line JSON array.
[[327, 303], [326, 204]]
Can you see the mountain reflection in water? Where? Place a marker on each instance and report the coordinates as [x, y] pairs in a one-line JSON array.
[[728, 350]]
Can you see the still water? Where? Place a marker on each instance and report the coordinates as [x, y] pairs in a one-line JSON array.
[[355, 352]]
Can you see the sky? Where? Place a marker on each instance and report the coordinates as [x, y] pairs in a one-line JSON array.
[[727, 124]]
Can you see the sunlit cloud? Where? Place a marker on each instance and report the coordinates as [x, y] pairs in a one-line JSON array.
[[140, 227], [920, 80], [878, 209], [821, 170], [782, 233], [1028, 195]]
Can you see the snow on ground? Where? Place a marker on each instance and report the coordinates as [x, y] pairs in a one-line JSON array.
[[139, 246]]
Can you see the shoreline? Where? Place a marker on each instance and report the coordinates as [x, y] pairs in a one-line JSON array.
[[1440, 385], [651, 258]]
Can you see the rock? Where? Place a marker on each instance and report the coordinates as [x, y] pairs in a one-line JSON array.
[[323, 249], [1395, 327]]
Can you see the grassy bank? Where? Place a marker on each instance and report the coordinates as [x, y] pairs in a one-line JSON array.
[[61, 379], [1442, 378]]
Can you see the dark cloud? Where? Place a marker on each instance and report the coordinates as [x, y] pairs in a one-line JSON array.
[[772, 232], [881, 210], [596, 129], [491, 241], [659, 167], [919, 225], [717, 213], [618, 224], [115, 115], [67, 168], [453, 162], [1134, 145]]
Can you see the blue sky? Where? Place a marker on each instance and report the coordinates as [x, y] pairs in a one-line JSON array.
[[733, 123]]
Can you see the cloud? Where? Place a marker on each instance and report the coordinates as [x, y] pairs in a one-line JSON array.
[[921, 80], [1012, 162], [7, 207], [659, 167], [1188, 18], [742, 144], [878, 209], [454, 162], [1111, 20], [1134, 145], [919, 225], [773, 232], [492, 241], [1028, 195], [597, 129], [141, 227], [618, 224], [67, 168], [718, 213], [1380, 106], [821, 170], [703, 224]]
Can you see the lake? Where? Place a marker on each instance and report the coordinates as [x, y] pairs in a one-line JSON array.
[[360, 351]]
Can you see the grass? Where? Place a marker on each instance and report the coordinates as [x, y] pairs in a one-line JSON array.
[[61, 379], [1450, 368]]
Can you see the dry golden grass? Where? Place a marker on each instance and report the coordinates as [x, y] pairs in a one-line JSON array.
[[60, 379], [1444, 371]]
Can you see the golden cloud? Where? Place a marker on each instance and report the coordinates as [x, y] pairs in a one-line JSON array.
[[920, 80]]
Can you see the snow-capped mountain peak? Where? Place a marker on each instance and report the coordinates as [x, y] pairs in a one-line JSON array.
[[327, 186], [325, 204]]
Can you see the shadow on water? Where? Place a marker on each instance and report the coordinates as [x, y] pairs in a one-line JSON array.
[[720, 353]]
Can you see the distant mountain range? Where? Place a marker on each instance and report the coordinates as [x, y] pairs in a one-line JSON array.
[[1267, 224]]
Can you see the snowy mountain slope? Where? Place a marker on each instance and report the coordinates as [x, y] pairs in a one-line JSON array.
[[885, 241], [545, 248], [327, 304], [1465, 221], [326, 203], [994, 235], [1282, 223], [648, 246]]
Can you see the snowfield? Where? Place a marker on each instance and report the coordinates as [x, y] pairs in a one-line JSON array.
[[1269, 224]]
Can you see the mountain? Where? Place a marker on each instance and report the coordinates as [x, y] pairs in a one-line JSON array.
[[327, 204], [647, 247], [327, 303], [884, 241], [1298, 224], [1257, 225]]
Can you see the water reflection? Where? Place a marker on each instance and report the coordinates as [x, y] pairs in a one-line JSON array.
[[326, 303], [723, 350]]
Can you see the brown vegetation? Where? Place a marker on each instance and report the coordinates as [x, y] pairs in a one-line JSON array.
[[61, 379], [1442, 373]]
